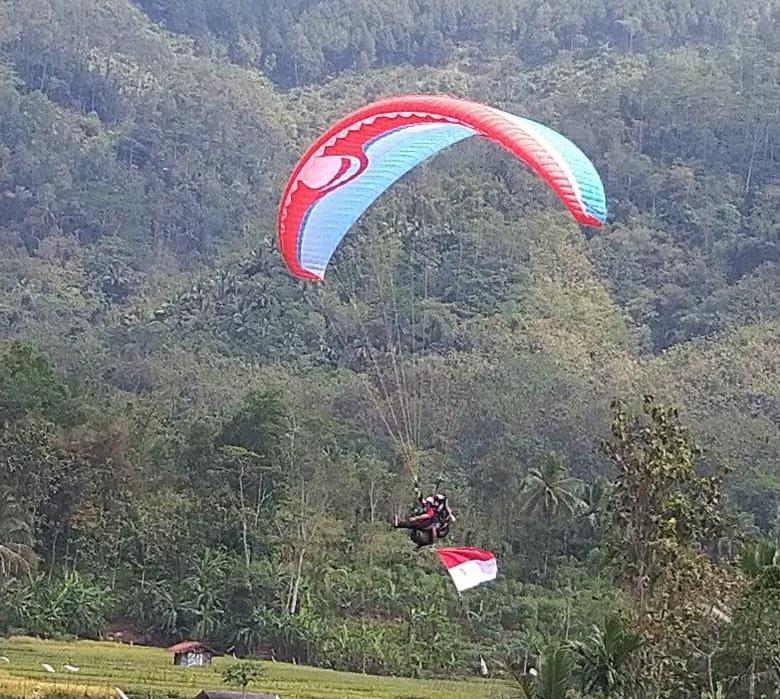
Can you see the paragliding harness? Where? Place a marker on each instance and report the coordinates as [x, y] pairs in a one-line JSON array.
[[430, 519]]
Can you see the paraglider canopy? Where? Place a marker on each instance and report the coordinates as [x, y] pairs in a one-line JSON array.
[[363, 154]]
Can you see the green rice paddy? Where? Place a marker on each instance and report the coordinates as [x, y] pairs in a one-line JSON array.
[[148, 673]]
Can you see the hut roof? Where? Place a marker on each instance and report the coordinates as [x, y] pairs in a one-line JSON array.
[[191, 647]]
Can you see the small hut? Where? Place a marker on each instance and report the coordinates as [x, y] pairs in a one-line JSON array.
[[191, 654], [220, 694]]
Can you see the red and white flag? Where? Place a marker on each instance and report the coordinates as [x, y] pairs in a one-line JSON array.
[[468, 567]]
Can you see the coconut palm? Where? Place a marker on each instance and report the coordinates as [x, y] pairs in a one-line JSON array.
[[551, 491], [756, 557], [594, 496], [603, 657], [718, 693], [555, 673], [760, 561], [16, 539], [548, 675]]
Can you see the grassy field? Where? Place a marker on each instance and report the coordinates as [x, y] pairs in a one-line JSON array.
[[144, 672]]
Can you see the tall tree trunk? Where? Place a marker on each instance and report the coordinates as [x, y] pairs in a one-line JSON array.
[[371, 502], [297, 583], [752, 689], [244, 529]]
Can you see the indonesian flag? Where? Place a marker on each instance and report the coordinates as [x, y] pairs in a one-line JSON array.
[[468, 567]]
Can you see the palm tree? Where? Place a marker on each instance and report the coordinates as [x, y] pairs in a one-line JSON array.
[[594, 496], [756, 557], [718, 693], [547, 674], [603, 656], [16, 539], [551, 491], [760, 561], [555, 673]]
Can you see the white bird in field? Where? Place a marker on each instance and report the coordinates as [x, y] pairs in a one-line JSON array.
[[71, 668], [121, 694], [4, 659], [47, 667]]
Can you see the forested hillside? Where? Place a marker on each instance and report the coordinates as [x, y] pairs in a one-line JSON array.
[[195, 444]]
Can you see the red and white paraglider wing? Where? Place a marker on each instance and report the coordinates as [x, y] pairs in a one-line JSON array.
[[362, 155]]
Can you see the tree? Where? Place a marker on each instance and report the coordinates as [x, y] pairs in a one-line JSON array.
[[749, 658], [550, 491], [665, 517], [29, 385], [555, 673], [604, 655], [549, 676], [760, 562], [242, 674], [661, 507], [549, 499], [16, 539]]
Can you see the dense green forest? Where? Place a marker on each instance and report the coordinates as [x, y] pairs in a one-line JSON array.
[[194, 444]]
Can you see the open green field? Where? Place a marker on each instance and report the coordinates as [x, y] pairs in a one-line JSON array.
[[148, 672]]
